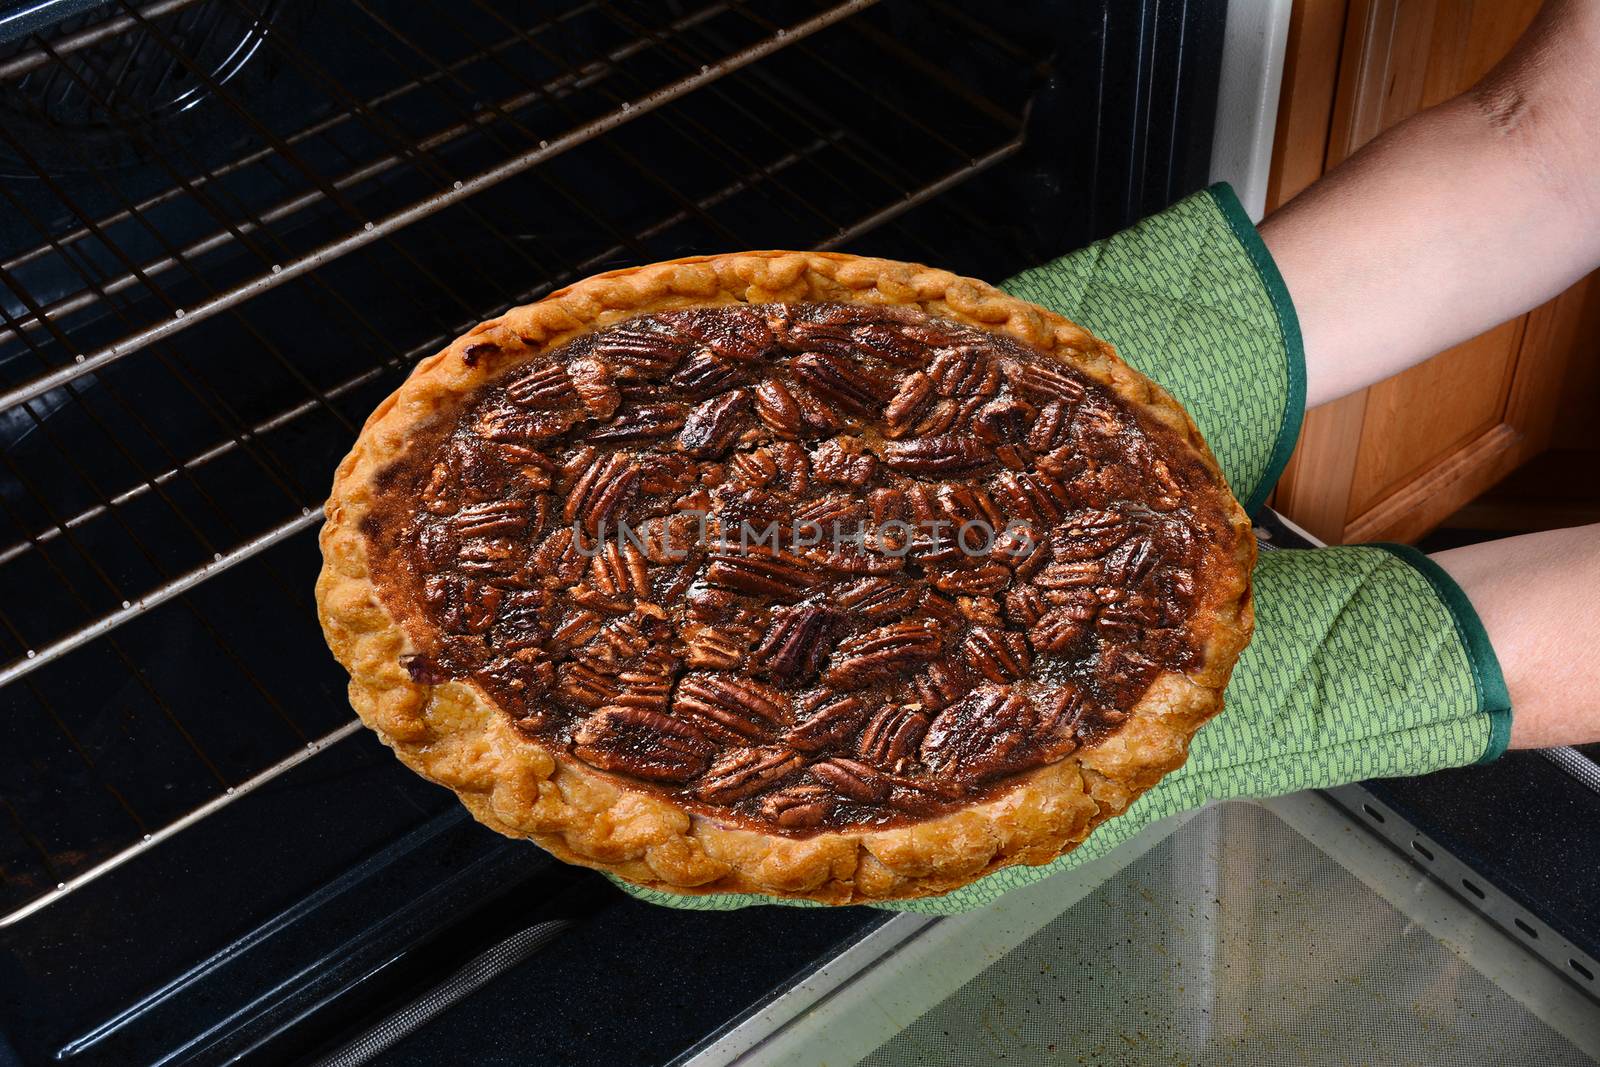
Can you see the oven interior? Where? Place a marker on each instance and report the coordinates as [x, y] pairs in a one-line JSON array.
[[227, 230]]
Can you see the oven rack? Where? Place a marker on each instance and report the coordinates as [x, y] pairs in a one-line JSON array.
[[86, 550], [244, 435], [324, 188]]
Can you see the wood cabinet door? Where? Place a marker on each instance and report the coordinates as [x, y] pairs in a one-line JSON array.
[[1391, 462]]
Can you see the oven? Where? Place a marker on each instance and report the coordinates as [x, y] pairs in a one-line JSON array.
[[228, 228]]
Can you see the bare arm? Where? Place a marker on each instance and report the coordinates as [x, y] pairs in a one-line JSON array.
[[1539, 598], [1455, 220]]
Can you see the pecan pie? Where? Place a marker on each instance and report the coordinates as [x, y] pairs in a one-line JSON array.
[[788, 573]]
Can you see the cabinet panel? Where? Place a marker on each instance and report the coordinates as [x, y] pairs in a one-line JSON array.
[[1418, 418], [1394, 460]]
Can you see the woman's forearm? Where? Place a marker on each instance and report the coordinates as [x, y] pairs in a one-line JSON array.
[[1457, 219], [1539, 599]]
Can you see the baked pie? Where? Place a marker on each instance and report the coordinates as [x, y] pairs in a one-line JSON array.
[[789, 573]]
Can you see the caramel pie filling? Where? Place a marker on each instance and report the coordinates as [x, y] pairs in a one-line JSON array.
[[801, 566]]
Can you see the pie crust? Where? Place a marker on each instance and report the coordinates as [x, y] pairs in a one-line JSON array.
[[455, 732]]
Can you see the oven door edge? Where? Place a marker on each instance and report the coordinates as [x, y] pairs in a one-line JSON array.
[[906, 966], [1247, 98]]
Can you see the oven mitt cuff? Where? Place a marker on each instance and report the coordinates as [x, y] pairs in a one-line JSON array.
[[1192, 299], [1367, 662]]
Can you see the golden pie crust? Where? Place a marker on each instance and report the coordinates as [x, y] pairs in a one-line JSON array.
[[454, 734]]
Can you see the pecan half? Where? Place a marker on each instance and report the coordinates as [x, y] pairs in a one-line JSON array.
[[851, 780], [831, 720], [1003, 422], [489, 559], [642, 348], [1087, 534], [591, 685], [494, 518], [1060, 629], [594, 383], [885, 651], [625, 637], [940, 685], [544, 386], [754, 468], [844, 381], [941, 454], [1073, 575], [507, 422], [968, 504], [891, 736], [839, 331], [777, 410], [576, 627], [831, 511], [1129, 618], [1024, 605], [620, 570], [462, 605], [766, 574], [844, 461], [712, 428], [642, 743], [1032, 497], [650, 690], [984, 580], [720, 647], [876, 598], [558, 557], [1043, 382], [743, 772], [798, 807], [815, 414], [797, 642], [740, 334], [662, 474], [602, 492], [794, 467], [907, 404], [734, 709], [964, 371], [999, 655], [704, 374], [1059, 716], [981, 736], [1050, 427], [1131, 562], [643, 423]]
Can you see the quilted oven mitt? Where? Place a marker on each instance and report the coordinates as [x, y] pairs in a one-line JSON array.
[[1367, 661]]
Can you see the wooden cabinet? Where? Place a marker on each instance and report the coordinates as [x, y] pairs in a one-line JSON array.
[[1393, 461]]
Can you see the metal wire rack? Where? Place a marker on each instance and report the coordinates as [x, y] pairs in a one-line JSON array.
[[189, 341]]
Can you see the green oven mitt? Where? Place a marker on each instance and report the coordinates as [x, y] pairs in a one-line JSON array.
[[1367, 661], [1191, 298]]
